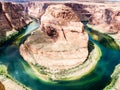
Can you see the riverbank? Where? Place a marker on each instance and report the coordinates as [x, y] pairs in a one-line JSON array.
[[9, 82], [115, 44], [72, 73], [103, 38]]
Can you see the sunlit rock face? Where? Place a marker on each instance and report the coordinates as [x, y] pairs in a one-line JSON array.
[[12, 16], [106, 19], [37, 9], [61, 42]]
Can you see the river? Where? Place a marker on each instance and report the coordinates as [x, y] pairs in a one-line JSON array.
[[20, 70]]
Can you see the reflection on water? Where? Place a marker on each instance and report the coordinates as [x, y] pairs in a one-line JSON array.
[[96, 80]]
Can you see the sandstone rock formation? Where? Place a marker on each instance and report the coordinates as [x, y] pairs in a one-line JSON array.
[[115, 82], [106, 19], [104, 16], [61, 42], [34, 9], [37, 9], [11, 18]]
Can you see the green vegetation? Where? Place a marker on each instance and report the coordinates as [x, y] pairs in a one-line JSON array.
[[42, 69], [102, 38], [3, 69]]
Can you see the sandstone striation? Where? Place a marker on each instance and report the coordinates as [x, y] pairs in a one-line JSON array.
[[61, 43], [37, 9], [102, 16], [106, 19], [12, 17]]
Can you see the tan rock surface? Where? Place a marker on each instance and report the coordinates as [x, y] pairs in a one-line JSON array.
[[61, 42], [109, 19], [106, 19], [9, 84]]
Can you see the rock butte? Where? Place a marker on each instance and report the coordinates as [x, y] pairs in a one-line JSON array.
[[61, 42], [104, 17]]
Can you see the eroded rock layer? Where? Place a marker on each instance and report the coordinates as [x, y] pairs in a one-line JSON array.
[[103, 16], [61, 42], [107, 18], [12, 17]]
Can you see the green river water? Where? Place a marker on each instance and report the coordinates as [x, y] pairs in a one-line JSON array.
[[98, 79]]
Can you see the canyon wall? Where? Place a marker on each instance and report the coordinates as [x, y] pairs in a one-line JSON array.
[[37, 9], [12, 18], [104, 16], [107, 17]]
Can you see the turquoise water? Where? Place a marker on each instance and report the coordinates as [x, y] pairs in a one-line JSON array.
[[96, 80]]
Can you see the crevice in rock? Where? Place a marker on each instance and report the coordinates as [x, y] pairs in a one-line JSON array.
[[74, 31], [64, 35]]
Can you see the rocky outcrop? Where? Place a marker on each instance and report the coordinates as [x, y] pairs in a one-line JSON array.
[[83, 11], [106, 19], [104, 16], [12, 17], [37, 9], [8, 84], [115, 82], [61, 43], [34, 9]]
